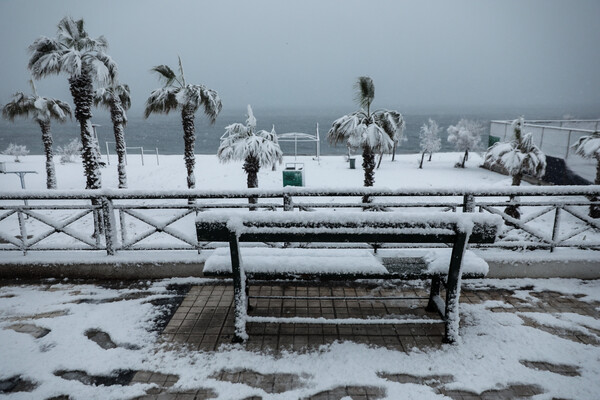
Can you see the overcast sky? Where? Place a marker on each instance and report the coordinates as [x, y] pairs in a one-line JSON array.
[[308, 53]]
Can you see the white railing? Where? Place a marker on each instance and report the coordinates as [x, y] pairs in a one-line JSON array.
[[120, 220]]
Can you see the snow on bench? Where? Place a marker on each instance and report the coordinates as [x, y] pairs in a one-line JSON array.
[[276, 261], [352, 226]]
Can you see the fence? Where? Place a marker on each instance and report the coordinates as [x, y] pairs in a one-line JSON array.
[[119, 220]]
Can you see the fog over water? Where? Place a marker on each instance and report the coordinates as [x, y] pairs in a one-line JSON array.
[[298, 60]]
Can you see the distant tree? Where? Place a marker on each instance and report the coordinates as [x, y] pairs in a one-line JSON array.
[[177, 94], [16, 150], [256, 148], [430, 141], [83, 59], [373, 132], [519, 157], [42, 110], [115, 98], [589, 147], [466, 136], [70, 150]]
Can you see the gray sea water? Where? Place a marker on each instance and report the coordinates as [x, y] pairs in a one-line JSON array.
[[165, 132]]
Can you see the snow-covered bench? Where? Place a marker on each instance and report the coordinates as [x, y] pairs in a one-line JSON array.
[[357, 227]]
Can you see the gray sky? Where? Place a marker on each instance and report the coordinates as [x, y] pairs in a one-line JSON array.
[[292, 54]]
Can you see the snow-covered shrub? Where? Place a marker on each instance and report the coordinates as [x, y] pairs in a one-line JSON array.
[[71, 149], [520, 156], [589, 147], [466, 136], [430, 141], [16, 150]]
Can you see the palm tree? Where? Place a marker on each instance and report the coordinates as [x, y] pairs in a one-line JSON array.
[[256, 149], [115, 98], [42, 110], [177, 94], [83, 59], [373, 132], [520, 156], [589, 147]]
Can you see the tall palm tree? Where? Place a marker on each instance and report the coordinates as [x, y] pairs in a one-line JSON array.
[[83, 60], [177, 94], [256, 149], [42, 110], [373, 132], [589, 147], [115, 98], [520, 156]]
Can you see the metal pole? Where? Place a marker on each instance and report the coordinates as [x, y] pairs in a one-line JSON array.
[[542, 138], [107, 154], [568, 143], [142, 153], [157, 163], [22, 178], [125, 155]]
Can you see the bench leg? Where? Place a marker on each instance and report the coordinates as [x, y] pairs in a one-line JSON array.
[[239, 290], [453, 288], [433, 294]]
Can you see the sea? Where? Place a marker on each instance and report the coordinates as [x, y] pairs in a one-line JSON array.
[[164, 133]]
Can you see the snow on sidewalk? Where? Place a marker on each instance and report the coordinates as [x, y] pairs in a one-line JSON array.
[[529, 337]]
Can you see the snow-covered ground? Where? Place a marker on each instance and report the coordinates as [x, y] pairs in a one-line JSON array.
[[330, 172], [51, 330]]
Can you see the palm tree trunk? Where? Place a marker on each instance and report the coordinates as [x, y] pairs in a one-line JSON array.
[[47, 140], [369, 167], [513, 210], [189, 138], [251, 167], [82, 92], [117, 120]]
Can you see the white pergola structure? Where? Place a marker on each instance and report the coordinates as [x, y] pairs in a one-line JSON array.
[[302, 137]]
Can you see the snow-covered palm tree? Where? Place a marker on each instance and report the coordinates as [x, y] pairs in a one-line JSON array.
[[373, 132], [465, 136], [430, 142], [188, 98], [589, 147], [519, 157], [115, 98], [83, 60], [42, 110], [256, 148]]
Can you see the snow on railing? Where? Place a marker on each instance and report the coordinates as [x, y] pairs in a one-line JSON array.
[[114, 220]]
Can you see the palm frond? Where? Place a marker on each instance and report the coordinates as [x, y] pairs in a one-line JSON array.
[[342, 128], [181, 72], [365, 91], [391, 122], [20, 106], [45, 57], [165, 74], [212, 104], [588, 146], [104, 66], [162, 101]]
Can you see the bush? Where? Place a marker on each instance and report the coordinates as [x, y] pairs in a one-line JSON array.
[[16, 150], [71, 149]]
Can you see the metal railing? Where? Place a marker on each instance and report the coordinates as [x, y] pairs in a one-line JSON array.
[[119, 220]]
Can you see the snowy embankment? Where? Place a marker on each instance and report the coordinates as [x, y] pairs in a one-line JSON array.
[[329, 172]]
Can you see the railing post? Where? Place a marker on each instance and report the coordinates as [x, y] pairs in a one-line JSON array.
[[288, 205], [468, 203], [23, 231], [555, 227], [123, 226], [109, 225], [568, 144]]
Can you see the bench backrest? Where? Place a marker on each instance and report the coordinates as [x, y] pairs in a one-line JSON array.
[[339, 226]]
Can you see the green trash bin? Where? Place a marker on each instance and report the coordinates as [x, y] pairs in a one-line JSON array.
[[492, 140], [352, 162], [293, 174]]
